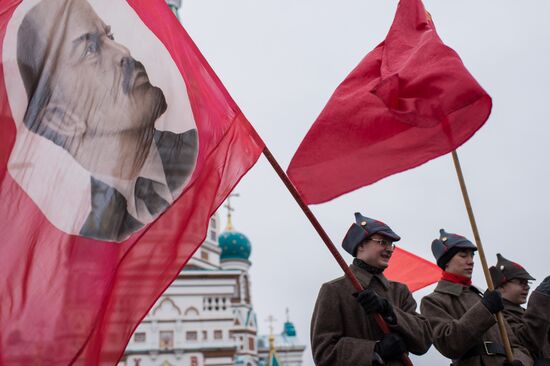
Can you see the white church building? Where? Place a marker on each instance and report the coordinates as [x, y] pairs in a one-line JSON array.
[[206, 317]]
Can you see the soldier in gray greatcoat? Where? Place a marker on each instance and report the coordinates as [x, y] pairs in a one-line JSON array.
[[462, 318], [532, 325], [343, 332]]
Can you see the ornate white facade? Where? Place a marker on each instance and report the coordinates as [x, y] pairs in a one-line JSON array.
[[204, 318]]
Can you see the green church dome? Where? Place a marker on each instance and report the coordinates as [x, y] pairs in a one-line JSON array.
[[234, 245], [289, 329]]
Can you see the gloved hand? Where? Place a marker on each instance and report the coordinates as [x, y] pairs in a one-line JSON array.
[[492, 301], [544, 287], [512, 363], [373, 303], [391, 347]]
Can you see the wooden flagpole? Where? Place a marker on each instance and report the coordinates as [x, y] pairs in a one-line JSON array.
[[349, 274], [482, 258]]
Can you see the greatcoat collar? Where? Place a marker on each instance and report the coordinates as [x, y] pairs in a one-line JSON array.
[[451, 288], [365, 277], [510, 306]]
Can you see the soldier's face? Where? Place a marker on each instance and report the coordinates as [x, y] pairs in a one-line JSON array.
[[462, 263], [374, 254], [515, 291]]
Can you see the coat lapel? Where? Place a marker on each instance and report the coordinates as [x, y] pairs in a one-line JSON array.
[[108, 218], [178, 153], [365, 278]]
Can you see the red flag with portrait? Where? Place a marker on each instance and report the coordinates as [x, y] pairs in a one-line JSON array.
[[410, 100], [118, 142]]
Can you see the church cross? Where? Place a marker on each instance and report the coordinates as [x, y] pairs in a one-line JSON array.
[[270, 319], [229, 210]]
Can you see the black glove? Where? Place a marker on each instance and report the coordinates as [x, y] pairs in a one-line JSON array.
[[391, 347], [373, 303], [544, 287], [512, 363], [492, 301]]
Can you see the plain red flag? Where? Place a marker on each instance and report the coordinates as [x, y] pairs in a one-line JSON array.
[[408, 101], [117, 144], [412, 270]]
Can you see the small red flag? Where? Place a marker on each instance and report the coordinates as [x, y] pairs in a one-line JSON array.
[[408, 101], [117, 144], [412, 270]]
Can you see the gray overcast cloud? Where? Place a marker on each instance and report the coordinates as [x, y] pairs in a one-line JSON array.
[[281, 60]]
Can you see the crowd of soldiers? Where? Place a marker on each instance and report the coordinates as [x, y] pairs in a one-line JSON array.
[[457, 318]]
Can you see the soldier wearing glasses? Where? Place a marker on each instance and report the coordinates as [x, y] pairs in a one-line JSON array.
[[462, 318], [343, 331], [532, 325]]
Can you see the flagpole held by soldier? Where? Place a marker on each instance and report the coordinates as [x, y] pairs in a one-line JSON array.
[[462, 317], [378, 319], [481, 251], [342, 330]]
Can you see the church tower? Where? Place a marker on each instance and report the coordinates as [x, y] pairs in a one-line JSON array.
[[284, 349], [206, 317], [235, 253]]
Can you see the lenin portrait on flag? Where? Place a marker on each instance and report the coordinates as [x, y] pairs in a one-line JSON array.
[[89, 99]]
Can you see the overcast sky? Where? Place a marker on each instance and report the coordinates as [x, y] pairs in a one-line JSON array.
[[281, 60]]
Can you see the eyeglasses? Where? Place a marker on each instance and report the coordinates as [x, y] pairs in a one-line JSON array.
[[388, 244], [521, 282]]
